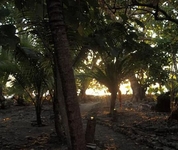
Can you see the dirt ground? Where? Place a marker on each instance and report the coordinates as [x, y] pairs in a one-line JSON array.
[[134, 127]]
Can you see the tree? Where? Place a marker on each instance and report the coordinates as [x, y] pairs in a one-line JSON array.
[[111, 76], [64, 63], [8, 41], [149, 62], [86, 20], [160, 10], [115, 55], [32, 22], [31, 76]]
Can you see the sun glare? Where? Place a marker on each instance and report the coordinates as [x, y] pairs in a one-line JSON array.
[[125, 89], [98, 92]]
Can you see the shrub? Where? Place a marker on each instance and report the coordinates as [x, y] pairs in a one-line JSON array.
[[163, 103]]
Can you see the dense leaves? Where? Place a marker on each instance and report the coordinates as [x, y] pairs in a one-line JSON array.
[[109, 40]]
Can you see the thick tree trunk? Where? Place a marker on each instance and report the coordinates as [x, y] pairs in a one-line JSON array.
[[62, 52], [113, 101], [57, 120], [138, 90], [60, 108], [82, 94], [120, 98]]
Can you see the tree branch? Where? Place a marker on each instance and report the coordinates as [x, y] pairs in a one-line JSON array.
[[152, 5], [157, 9]]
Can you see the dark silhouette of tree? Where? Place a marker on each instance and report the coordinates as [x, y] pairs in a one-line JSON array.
[[64, 63]]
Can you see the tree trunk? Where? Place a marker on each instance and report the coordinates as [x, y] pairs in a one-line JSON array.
[[113, 101], [120, 98], [38, 114], [60, 108], [174, 60], [38, 106], [84, 85], [2, 99], [57, 121], [62, 52], [138, 89], [82, 95]]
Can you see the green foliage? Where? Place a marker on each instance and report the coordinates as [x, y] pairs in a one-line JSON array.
[[4, 13], [121, 37], [32, 9], [7, 63], [7, 36]]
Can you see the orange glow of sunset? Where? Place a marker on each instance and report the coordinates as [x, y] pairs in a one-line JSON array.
[[125, 89]]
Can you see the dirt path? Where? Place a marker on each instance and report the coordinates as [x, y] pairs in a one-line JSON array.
[[135, 127], [106, 138], [87, 107]]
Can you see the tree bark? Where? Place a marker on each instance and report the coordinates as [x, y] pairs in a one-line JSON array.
[[113, 101], [57, 121], [120, 98], [38, 106], [82, 94], [60, 108], [2, 99], [64, 63], [138, 89], [38, 115]]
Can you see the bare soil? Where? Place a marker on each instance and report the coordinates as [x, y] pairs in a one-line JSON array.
[[134, 127], [17, 130]]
